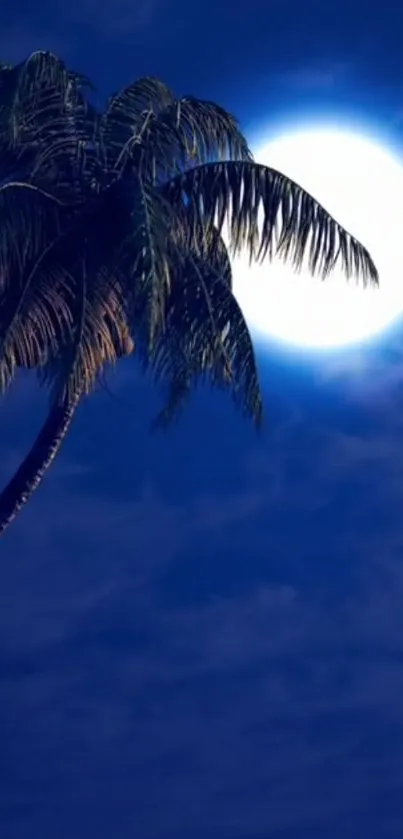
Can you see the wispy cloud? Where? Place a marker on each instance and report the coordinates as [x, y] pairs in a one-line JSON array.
[[114, 19], [321, 75], [65, 27]]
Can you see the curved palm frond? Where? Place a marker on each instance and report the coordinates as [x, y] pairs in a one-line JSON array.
[[268, 215], [146, 124], [206, 339], [98, 335], [30, 92], [145, 258], [30, 220], [123, 118], [51, 318], [47, 126], [190, 131], [89, 320], [206, 242], [207, 131]]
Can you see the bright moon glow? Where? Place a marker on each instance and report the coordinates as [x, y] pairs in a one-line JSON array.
[[361, 185]]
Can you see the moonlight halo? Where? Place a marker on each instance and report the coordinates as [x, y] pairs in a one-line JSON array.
[[361, 184]]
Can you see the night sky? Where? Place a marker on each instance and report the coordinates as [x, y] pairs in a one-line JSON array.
[[201, 632]]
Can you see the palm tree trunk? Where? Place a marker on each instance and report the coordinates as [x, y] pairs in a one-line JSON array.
[[45, 448]]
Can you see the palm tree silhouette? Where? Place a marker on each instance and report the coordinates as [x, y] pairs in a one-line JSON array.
[[111, 241]]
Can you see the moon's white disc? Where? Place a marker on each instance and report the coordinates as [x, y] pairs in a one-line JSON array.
[[361, 185]]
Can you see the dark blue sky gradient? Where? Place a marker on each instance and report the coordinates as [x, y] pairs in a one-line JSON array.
[[201, 633]]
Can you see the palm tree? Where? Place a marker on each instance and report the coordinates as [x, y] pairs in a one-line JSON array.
[[111, 241]]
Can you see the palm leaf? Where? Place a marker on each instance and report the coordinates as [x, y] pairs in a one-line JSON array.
[[145, 259], [46, 119], [30, 92], [206, 131], [50, 317], [27, 302], [268, 215], [145, 122], [97, 335], [205, 242], [91, 323], [123, 119], [206, 339], [189, 131]]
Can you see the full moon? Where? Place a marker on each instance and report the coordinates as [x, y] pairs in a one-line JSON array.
[[361, 184]]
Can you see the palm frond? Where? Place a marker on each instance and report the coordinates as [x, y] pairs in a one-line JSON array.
[[188, 132], [49, 317], [29, 303], [90, 321], [122, 122], [45, 118], [268, 215], [97, 335], [145, 122], [29, 91], [206, 242], [28, 332], [29, 220], [206, 131], [206, 339], [145, 257]]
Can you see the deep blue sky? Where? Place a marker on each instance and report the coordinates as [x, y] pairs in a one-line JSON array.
[[201, 634]]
